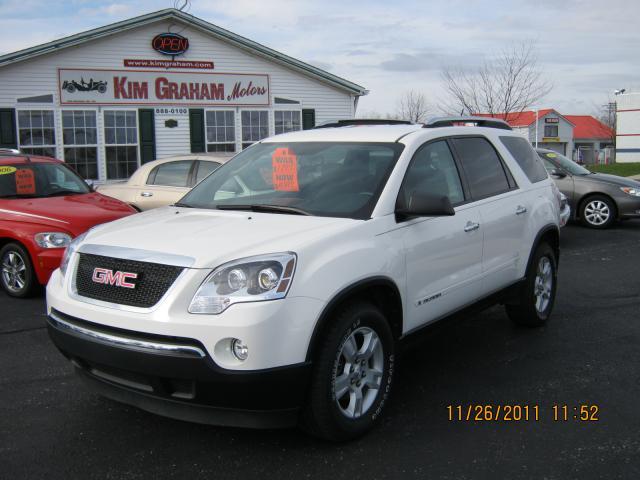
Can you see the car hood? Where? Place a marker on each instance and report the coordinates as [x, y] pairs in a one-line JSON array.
[[611, 180], [112, 186], [71, 213], [212, 237]]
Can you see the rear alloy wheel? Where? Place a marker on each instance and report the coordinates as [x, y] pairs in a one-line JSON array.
[[16, 272], [352, 376], [598, 212], [538, 292]]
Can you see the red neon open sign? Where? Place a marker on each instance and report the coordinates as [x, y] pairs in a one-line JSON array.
[[170, 43]]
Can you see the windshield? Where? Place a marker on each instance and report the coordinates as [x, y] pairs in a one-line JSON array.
[[553, 159], [314, 178], [36, 180]]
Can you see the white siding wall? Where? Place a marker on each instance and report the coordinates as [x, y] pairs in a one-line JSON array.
[[172, 141], [628, 128], [39, 77]]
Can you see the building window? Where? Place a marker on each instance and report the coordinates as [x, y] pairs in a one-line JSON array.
[[121, 143], [550, 130], [80, 138], [287, 121], [37, 132], [221, 131], [255, 126]]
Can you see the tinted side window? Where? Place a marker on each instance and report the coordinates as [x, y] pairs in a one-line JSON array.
[[205, 168], [483, 168], [433, 171], [171, 174], [527, 158]]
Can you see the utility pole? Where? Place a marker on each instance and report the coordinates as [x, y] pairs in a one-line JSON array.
[[536, 127]]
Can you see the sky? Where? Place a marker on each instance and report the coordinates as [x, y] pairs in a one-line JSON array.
[[586, 48]]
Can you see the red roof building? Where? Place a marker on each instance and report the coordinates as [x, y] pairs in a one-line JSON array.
[[581, 137], [588, 127]]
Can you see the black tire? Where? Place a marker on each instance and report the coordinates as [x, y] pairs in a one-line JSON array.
[[527, 311], [9, 253], [591, 216], [323, 416]]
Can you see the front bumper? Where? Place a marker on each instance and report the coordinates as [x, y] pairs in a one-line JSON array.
[[628, 206], [46, 261], [175, 377]]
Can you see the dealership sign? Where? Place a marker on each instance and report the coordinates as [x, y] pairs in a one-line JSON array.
[[134, 87]]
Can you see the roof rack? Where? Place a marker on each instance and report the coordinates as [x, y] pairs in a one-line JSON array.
[[477, 121], [362, 121]]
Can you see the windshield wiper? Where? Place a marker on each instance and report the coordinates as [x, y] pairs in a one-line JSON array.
[[183, 205], [265, 208]]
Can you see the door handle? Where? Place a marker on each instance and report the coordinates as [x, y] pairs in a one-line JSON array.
[[146, 194], [520, 210], [471, 226]]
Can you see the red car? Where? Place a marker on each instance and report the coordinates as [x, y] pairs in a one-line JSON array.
[[43, 205]]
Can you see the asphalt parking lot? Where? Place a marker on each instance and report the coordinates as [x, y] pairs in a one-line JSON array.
[[51, 426]]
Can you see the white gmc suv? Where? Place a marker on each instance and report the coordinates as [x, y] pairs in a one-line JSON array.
[[278, 291]]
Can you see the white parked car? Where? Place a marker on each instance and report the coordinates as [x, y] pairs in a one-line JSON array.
[[163, 182], [288, 304]]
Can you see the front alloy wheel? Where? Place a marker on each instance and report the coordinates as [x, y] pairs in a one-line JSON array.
[[352, 373], [360, 367], [598, 212], [16, 273]]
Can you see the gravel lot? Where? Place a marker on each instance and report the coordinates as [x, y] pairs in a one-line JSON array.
[[51, 426]]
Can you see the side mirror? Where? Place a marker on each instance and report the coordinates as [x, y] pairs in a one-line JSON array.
[[423, 205], [91, 185], [556, 172]]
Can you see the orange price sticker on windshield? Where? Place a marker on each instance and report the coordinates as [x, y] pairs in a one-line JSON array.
[[285, 170], [25, 182]]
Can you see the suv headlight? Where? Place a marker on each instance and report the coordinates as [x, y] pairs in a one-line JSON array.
[[52, 239], [68, 253], [635, 191], [250, 279]]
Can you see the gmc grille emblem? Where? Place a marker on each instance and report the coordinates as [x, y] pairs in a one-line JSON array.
[[109, 277]]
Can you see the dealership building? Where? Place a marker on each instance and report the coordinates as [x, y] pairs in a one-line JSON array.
[[162, 84]]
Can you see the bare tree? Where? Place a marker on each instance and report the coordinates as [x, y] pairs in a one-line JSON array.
[[413, 106], [507, 84]]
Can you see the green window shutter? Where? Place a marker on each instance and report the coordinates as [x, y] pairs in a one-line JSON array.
[[147, 135], [8, 137], [308, 118], [196, 130]]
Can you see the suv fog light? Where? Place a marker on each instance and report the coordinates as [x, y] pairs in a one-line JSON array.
[[240, 350]]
